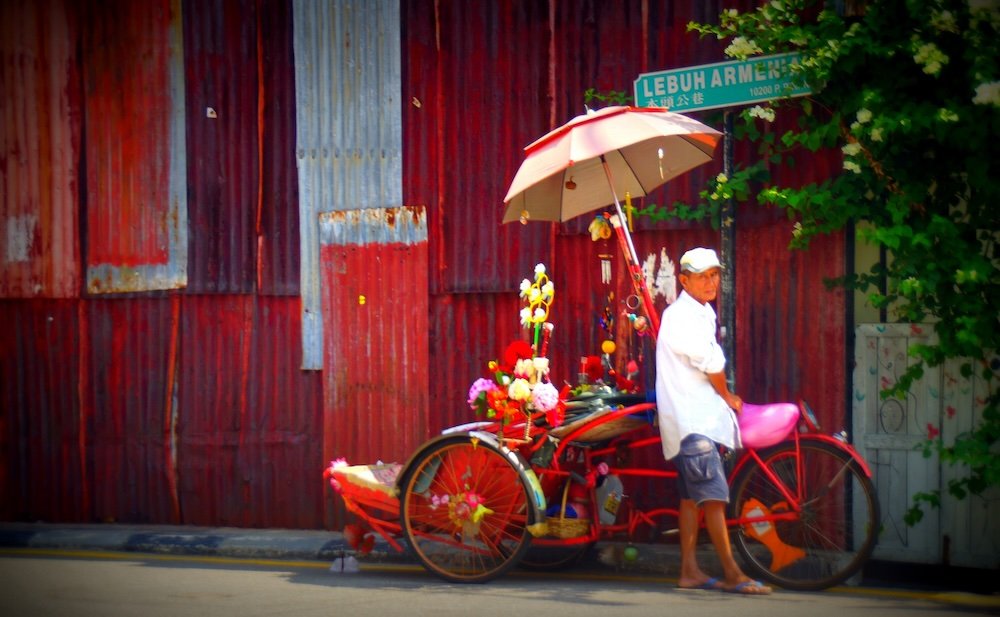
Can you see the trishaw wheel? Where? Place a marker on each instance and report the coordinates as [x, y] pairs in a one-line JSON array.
[[823, 538], [465, 510]]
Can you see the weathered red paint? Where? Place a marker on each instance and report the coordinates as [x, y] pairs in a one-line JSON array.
[[99, 394], [128, 99], [41, 472], [39, 150], [248, 428]]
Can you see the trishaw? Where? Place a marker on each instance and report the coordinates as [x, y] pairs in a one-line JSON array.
[[540, 479]]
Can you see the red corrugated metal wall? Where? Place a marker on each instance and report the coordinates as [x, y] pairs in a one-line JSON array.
[[43, 458], [249, 426], [189, 406], [39, 150], [127, 92]]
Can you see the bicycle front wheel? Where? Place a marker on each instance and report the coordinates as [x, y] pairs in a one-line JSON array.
[[820, 539], [465, 510]]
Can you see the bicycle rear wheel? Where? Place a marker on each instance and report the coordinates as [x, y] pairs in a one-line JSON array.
[[832, 535], [465, 510]]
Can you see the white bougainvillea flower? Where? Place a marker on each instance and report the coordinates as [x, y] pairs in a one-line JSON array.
[[851, 149], [987, 94]]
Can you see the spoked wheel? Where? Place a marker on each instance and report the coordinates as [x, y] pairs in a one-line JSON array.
[[465, 510], [832, 535]]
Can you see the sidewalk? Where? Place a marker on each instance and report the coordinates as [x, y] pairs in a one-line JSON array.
[[318, 545]]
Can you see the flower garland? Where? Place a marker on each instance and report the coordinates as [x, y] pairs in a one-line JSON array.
[[518, 381]]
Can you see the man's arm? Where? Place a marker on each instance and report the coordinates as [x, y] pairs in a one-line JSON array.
[[718, 381]]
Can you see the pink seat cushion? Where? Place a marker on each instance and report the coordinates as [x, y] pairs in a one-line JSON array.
[[766, 425]]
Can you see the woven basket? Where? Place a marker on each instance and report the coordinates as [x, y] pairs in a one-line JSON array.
[[562, 527]]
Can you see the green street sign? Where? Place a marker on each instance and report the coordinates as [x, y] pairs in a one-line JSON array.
[[723, 84]]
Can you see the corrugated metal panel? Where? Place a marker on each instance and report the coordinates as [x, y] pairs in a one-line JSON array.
[[39, 150], [348, 129], [375, 382], [221, 62], [471, 104], [135, 145], [248, 422], [468, 331], [790, 329], [278, 214], [126, 400], [42, 472]]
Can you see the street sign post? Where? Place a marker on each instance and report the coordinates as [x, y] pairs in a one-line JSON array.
[[711, 86], [723, 84]]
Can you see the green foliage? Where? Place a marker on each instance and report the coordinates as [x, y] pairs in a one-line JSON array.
[[614, 97], [905, 94]]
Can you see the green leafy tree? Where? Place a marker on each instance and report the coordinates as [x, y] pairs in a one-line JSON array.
[[906, 93]]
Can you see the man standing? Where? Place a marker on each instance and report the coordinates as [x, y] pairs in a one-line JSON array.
[[696, 416]]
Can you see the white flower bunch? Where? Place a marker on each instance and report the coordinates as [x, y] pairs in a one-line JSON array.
[[764, 113], [929, 56], [987, 94], [741, 47]]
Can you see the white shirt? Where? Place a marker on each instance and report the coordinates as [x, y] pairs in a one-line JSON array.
[[686, 351]]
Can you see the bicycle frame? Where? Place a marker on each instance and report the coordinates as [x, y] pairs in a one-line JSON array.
[[794, 498]]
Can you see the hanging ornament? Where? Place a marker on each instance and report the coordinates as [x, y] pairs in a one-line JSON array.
[[605, 268]]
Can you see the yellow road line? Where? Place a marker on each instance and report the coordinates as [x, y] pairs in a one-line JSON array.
[[137, 556], [951, 598]]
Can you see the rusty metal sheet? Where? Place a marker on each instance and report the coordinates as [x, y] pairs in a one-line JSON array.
[[469, 330], [348, 129], [39, 150], [472, 102], [127, 350], [136, 185], [791, 330], [248, 420], [278, 202], [243, 208], [377, 356], [42, 464], [222, 98]]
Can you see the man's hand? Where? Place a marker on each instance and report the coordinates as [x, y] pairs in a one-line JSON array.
[[718, 381], [735, 403]]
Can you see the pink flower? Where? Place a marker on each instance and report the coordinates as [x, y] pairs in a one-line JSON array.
[[545, 397], [480, 385]]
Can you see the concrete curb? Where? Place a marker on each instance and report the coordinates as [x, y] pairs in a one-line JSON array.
[[289, 544]]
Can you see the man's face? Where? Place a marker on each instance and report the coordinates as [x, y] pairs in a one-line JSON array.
[[702, 286]]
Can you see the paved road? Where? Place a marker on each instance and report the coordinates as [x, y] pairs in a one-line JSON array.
[[43, 583]]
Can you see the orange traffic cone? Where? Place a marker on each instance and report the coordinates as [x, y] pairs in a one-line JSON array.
[[782, 555]]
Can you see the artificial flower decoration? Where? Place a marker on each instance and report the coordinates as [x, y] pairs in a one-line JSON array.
[[518, 382], [328, 472], [466, 511]]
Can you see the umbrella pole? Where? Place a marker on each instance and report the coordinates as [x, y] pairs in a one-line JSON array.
[[631, 258]]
